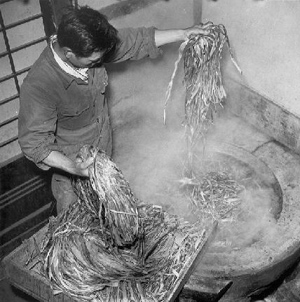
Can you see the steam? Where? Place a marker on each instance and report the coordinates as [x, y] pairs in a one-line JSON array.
[[151, 154]]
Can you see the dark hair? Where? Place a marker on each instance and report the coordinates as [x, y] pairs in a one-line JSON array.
[[85, 30]]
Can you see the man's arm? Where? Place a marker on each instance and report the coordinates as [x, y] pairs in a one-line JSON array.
[[138, 43]]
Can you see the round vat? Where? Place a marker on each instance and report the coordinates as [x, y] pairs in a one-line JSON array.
[[256, 244]]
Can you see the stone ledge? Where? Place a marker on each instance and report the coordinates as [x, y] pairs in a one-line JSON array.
[[264, 114], [126, 7]]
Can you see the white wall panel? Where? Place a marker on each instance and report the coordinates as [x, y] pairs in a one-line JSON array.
[[26, 57], [5, 68], [26, 33], [8, 132], [7, 89], [17, 10], [266, 40], [9, 111]]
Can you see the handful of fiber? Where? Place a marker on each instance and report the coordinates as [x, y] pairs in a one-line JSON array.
[[203, 80]]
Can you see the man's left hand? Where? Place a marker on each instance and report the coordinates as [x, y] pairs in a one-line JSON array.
[[200, 29]]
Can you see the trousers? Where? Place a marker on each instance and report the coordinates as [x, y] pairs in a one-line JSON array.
[[63, 191]]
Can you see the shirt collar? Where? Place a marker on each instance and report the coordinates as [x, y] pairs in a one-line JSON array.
[[79, 73]]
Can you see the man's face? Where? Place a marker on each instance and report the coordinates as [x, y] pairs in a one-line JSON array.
[[85, 62]]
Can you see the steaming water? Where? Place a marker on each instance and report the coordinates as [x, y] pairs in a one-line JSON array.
[[151, 154], [244, 222]]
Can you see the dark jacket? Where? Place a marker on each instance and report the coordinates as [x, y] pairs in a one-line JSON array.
[[61, 112]]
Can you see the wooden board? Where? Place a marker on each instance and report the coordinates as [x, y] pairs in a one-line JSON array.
[[191, 264], [30, 281]]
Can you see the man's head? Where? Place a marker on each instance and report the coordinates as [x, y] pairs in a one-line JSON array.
[[85, 35]]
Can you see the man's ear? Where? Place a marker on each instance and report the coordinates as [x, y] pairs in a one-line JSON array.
[[68, 52]]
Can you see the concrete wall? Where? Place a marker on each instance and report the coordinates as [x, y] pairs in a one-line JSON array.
[[265, 37], [160, 13]]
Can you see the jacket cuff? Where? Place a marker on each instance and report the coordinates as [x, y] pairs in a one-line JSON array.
[[42, 153], [154, 51]]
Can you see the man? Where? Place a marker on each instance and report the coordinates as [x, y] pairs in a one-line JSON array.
[[62, 99]]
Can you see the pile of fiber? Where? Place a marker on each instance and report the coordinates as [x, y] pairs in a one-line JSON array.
[[106, 247]]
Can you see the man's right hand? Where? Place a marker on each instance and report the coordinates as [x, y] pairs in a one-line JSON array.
[[78, 167], [82, 166]]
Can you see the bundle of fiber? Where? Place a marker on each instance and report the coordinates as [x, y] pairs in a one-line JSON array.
[[203, 80], [108, 196]]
